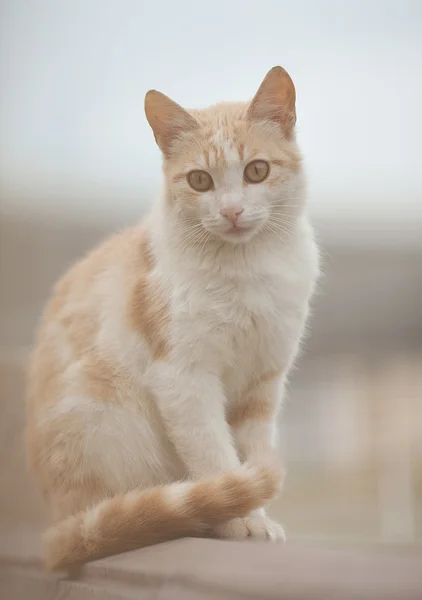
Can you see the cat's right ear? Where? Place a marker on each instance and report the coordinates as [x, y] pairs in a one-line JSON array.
[[167, 119]]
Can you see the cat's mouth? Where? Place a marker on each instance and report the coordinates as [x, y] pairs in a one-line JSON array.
[[238, 231], [235, 233]]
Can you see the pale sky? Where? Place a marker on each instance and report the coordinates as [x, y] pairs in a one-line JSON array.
[[73, 75]]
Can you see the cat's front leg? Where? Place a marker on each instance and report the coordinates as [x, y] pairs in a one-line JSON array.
[[253, 423], [253, 418], [191, 402]]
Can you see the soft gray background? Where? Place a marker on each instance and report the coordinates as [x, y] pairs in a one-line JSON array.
[[74, 73]]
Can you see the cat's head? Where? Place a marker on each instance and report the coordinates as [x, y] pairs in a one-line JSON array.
[[232, 169]]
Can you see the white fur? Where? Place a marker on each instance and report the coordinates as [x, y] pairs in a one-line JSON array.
[[237, 311]]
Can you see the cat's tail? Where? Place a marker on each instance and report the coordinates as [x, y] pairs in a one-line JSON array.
[[141, 518]]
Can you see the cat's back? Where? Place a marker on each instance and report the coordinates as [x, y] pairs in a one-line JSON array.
[[90, 312]]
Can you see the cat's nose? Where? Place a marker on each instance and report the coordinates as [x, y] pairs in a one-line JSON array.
[[232, 214]]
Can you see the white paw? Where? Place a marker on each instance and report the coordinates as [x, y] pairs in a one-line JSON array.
[[256, 527]]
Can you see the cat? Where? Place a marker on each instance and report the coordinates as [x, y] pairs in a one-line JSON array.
[[161, 358]]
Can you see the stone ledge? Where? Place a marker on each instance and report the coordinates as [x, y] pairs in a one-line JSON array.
[[205, 569]]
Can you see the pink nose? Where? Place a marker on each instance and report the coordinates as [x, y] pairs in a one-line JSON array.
[[232, 214]]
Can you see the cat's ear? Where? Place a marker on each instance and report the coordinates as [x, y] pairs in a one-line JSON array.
[[167, 119], [275, 101]]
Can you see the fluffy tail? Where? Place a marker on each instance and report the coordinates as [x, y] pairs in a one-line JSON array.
[[141, 518]]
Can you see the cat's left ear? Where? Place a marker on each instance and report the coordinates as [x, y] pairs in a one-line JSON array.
[[167, 119], [275, 101]]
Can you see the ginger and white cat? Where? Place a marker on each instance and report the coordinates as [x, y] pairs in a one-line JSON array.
[[161, 358]]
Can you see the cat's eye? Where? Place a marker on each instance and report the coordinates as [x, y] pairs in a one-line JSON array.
[[200, 181], [256, 171]]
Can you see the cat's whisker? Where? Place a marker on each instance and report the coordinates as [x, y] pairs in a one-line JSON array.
[[191, 243], [191, 239], [197, 241], [285, 224], [207, 237], [281, 221], [274, 231], [283, 217], [278, 228], [282, 205]]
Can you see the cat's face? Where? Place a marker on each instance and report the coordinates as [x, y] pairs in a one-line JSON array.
[[232, 169]]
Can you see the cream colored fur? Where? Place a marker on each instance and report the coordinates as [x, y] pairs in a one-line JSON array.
[[162, 355]]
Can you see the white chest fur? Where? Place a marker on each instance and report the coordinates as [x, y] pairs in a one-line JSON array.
[[244, 320]]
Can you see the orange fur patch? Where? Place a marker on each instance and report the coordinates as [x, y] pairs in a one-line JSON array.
[[255, 408], [101, 378], [178, 177], [148, 307], [258, 402]]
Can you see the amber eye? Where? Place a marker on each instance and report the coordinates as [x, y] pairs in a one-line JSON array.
[[256, 171], [201, 181]]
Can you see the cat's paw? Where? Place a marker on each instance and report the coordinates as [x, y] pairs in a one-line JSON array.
[[256, 527]]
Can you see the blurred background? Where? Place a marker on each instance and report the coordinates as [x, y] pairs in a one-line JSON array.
[[78, 161]]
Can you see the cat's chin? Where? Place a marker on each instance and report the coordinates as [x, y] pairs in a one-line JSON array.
[[238, 235]]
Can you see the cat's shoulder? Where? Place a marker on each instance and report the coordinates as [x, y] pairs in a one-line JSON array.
[[118, 256]]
